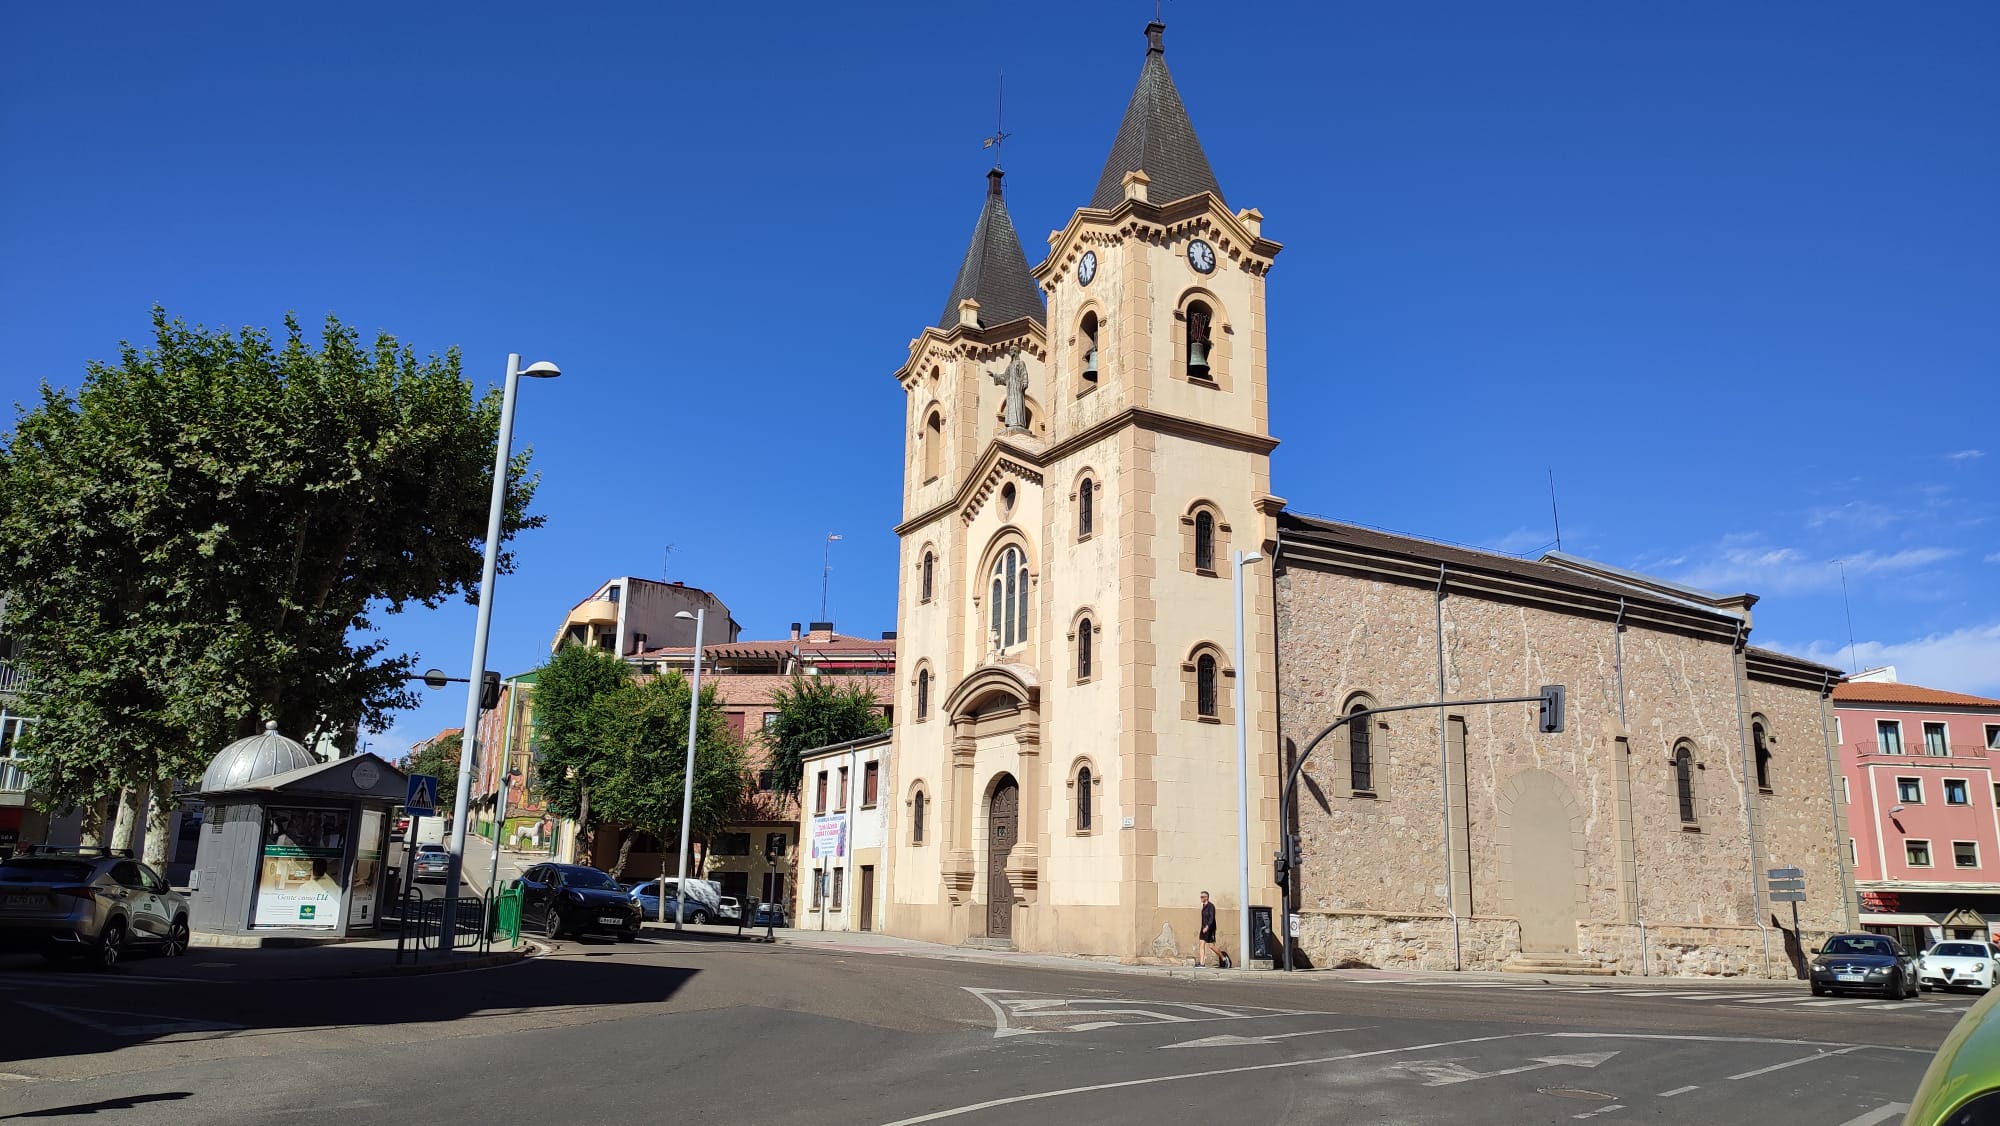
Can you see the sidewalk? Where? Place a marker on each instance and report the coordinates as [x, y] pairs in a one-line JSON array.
[[226, 965], [869, 942]]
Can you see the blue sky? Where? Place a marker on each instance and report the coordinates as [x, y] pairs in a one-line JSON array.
[[1730, 271]]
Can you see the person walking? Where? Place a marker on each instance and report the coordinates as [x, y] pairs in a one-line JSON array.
[[1205, 941]]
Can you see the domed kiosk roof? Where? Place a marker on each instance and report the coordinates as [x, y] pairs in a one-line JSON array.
[[258, 756]]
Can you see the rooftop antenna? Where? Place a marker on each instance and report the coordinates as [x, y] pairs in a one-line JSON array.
[[826, 572], [1554, 511], [666, 557], [998, 138], [1853, 664]]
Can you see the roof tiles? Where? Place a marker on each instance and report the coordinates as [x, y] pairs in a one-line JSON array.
[[1156, 137]]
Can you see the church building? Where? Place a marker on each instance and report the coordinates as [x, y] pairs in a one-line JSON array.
[[1088, 466]]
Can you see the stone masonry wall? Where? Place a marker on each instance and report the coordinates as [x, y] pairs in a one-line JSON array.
[[1383, 856]]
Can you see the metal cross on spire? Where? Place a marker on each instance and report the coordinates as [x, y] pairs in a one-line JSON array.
[[1000, 135]]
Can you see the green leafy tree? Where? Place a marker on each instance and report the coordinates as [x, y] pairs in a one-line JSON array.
[[813, 712], [647, 727], [439, 759], [201, 536], [575, 746]]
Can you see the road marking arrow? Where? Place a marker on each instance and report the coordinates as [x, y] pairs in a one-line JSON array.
[[1443, 1073]]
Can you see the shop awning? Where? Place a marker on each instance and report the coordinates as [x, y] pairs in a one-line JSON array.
[[1868, 920]]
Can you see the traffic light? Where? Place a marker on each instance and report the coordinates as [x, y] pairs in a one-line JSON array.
[[1281, 869], [1552, 708], [489, 691]]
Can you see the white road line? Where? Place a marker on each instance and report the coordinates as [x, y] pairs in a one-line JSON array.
[[1795, 1063], [1837, 1002], [1678, 1091], [1880, 1114], [974, 1108], [1906, 1007], [1606, 1109], [1768, 1000], [1731, 1040]]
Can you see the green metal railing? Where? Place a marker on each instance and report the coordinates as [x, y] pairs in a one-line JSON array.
[[507, 916]]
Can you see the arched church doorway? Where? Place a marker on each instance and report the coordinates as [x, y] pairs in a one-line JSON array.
[[1003, 828]]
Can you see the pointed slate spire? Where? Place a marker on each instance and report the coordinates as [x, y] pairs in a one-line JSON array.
[[1156, 137], [995, 272]]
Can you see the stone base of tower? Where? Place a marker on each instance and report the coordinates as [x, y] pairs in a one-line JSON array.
[[1156, 936]]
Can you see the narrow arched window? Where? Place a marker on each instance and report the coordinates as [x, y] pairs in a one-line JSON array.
[[1083, 649], [933, 443], [1206, 703], [928, 561], [1010, 598], [1684, 781], [917, 818], [1199, 343], [1086, 503], [1204, 541], [1083, 800], [923, 693], [1760, 743], [1088, 333], [1360, 750]]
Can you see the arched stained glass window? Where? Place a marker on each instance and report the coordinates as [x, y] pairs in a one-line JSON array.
[[1010, 598]]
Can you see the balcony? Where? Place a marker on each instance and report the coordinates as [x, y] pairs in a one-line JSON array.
[[1960, 755], [13, 780], [599, 612], [11, 677]]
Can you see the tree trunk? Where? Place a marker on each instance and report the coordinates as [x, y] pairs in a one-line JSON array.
[[97, 823], [582, 819], [157, 821], [624, 851], [131, 815]]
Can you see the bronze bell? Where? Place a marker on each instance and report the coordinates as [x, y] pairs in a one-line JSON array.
[[1090, 365], [1198, 360]]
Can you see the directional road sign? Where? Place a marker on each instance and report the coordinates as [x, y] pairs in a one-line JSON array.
[[1788, 885], [423, 796], [1786, 873], [1788, 897]]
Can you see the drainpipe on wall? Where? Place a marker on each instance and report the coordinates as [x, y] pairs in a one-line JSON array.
[[1737, 671], [1833, 800], [1444, 791], [1638, 900]]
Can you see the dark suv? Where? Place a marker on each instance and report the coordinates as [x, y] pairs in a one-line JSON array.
[[88, 901], [573, 899]]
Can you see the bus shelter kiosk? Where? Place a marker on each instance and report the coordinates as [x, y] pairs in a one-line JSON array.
[[292, 846]]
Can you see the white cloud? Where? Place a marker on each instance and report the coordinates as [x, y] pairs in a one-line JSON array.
[[1740, 566], [1964, 660], [1859, 515], [1965, 455], [1994, 558]]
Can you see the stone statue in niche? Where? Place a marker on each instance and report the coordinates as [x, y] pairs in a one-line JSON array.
[[1015, 380]]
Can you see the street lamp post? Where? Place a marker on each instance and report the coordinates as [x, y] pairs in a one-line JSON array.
[[1243, 559], [687, 777], [495, 511]]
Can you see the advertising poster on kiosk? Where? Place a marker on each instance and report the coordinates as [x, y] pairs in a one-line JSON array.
[[363, 885], [298, 879]]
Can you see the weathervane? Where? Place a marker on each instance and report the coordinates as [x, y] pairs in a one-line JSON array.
[[1000, 135]]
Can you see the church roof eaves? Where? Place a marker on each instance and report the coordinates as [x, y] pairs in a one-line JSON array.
[[1416, 560], [995, 269], [1233, 230], [1156, 137]]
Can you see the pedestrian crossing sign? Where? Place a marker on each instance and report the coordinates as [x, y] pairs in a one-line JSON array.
[[422, 799]]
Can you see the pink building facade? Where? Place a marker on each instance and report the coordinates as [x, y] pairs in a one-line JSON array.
[[1923, 801]]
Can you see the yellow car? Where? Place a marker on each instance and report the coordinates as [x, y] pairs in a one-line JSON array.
[[1962, 1085]]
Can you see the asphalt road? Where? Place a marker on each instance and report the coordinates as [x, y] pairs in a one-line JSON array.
[[722, 1032]]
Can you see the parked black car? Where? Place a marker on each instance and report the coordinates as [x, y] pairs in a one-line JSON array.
[[565, 899], [1864, 961]]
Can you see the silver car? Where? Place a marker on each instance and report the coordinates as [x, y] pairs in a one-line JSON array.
[[88, 902]]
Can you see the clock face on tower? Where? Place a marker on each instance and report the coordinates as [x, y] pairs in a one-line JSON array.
[[1201, 256], [1087, 268]]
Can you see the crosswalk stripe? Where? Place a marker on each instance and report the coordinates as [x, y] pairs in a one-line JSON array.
[[1767, 1000], [1838, 1001]]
